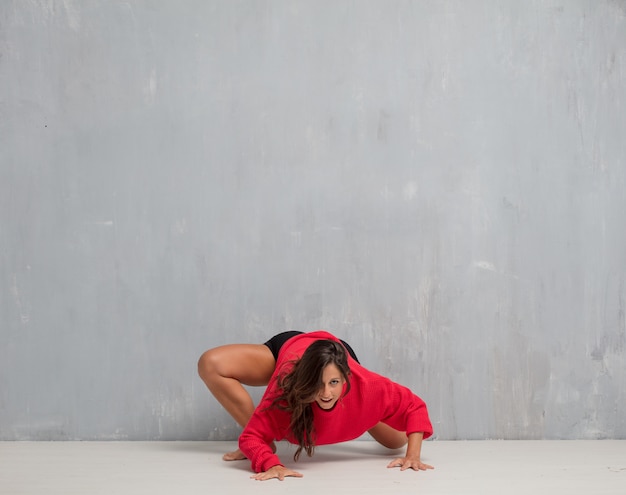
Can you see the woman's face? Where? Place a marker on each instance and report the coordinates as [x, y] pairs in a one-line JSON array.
[[332, 387]]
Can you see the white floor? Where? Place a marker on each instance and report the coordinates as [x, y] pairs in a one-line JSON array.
[[173, 468]]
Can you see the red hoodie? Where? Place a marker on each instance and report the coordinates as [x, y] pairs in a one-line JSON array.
[[371, 399]]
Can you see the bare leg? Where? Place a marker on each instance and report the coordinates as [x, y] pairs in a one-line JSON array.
[[388, 436], [224, 369]]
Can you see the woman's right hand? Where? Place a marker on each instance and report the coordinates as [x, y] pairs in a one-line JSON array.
[[280, 472]]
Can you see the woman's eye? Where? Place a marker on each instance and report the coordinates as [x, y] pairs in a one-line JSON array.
[[334, 382]]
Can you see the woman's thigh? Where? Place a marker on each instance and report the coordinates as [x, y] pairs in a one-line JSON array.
[[251, 364]]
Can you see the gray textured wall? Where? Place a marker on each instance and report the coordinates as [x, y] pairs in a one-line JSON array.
[[441, 183]]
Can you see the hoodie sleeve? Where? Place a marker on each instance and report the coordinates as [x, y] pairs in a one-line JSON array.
[[404, 410], [266, 425]]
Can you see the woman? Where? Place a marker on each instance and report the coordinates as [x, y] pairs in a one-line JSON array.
[[318, 394]]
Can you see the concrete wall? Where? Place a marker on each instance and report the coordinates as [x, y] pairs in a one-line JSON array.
[[440, 183]]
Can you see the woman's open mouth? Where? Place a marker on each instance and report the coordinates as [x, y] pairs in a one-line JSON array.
[[326, 404]]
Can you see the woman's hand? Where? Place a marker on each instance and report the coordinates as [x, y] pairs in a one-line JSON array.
[[280, 472], [406, 462], [412, 457]]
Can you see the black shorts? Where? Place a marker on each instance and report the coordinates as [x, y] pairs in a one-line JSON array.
[[277, 341]]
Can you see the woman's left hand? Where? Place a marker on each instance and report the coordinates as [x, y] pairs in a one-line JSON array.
[[406, 462]]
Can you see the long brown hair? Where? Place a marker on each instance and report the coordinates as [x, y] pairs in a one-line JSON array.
[[300, 386]]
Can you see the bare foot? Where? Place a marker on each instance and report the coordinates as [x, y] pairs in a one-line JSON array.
[[237, 455]]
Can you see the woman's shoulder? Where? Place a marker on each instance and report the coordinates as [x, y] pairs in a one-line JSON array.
[[370, 379]]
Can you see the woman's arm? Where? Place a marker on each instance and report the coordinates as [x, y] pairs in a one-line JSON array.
[[266, 425], [265, 462], [256, 439], [412, 458]]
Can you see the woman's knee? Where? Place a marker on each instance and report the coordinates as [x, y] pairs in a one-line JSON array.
[[397, 442], [388, 436], [208, 364]]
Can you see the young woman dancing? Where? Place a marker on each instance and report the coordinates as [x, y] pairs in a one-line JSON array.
[[318, 394]]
